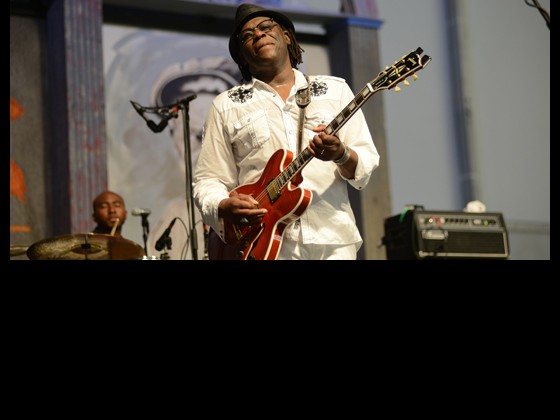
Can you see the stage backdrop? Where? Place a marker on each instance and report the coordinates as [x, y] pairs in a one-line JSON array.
[[29, 219]]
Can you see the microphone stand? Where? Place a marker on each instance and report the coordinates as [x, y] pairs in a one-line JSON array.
[[184, 106], [167, 112], [164, 255], [146, 231]]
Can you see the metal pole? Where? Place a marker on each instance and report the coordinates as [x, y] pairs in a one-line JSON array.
[[184, 105]]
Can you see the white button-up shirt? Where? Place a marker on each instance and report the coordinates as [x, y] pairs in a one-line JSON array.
[[247, 124]]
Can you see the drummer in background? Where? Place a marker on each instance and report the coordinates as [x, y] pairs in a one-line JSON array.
[[109, 212]]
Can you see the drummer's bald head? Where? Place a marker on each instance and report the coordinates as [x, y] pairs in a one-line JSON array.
[[104, 197], [109, 213]]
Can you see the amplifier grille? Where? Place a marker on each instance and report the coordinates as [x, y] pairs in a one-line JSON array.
[[465, 244]]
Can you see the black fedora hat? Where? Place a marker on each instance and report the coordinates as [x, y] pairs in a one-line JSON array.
[[246, 12]]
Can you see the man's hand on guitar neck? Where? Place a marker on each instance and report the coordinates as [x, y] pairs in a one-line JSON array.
[[241, 209], [326, 147]]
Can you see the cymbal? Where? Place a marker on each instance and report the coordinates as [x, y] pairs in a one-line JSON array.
[[86, 246], [16, 250]]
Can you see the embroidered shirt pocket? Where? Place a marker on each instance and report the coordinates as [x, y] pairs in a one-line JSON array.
[[313, 119], [253, 129]]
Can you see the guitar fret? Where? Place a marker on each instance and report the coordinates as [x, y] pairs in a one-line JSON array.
[[290, 171]]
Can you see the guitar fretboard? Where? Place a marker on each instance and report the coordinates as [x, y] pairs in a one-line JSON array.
[[387, 79], [273, 188], [349, 110]]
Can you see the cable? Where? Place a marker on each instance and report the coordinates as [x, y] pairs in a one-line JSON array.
[[544, 13], [186, 245], [403, 214]]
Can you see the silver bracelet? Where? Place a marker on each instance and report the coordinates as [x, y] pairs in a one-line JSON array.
[[345, 156]]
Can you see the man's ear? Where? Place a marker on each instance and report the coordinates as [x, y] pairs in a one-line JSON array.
[[288, 39]]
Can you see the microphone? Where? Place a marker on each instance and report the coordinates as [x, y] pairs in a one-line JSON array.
[[153, 126], [162, 124], [141, 212], [160, 244]]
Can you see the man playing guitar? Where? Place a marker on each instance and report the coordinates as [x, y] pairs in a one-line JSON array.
[[271, 179]]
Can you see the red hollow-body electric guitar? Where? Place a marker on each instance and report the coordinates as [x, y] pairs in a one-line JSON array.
[[277, 189]]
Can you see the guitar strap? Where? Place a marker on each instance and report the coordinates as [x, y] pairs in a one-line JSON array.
[[303, 98]]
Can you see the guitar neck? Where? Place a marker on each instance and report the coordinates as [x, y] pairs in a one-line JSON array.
[[387, 79], [350, 109], [294, 167]]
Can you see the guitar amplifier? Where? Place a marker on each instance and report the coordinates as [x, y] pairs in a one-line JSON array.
[[430, 234]]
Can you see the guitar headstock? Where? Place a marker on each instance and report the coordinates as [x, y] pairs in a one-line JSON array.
[[400, 70]]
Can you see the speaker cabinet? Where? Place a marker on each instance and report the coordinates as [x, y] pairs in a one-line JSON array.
[[431, 234]]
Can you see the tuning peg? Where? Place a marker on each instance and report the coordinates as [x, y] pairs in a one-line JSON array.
[[415, 76], [406, 83], [397, 89]]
